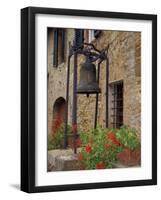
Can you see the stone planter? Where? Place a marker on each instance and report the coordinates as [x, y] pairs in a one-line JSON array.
[[130, 157]]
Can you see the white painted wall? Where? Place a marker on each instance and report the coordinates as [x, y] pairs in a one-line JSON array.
[[10, 99]]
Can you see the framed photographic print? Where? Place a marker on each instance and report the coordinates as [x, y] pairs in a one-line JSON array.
[[88, 99]]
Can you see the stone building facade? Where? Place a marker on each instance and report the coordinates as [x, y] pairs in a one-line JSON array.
[[124, 79]]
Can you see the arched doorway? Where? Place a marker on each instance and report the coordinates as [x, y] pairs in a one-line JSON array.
[[58, 114]]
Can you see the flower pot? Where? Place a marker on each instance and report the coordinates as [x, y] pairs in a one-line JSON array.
[[130, 157]]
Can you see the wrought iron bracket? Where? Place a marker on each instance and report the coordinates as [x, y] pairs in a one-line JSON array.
[[93, 54], [89, 51]]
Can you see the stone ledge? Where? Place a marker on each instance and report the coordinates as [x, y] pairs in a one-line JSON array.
[[65, 160], [62, 160], [120, 165]]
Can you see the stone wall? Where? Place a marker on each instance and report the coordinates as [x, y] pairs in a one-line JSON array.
[[124, 64], [57, 75]]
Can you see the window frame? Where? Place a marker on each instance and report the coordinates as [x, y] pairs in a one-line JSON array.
[[57, 46], [113, 104]]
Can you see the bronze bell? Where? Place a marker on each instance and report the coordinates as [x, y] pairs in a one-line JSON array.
[[88, 84]]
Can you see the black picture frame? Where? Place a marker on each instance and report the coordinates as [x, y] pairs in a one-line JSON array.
[[28, 99]]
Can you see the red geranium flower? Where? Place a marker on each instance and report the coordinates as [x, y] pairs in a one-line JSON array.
[[111, 136], [116, 142], [88, 148], [56, 124], [78, 142], [80, 156], [100, 165], [108, 146]]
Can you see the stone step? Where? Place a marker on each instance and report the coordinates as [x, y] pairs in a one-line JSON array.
[[62, 160]]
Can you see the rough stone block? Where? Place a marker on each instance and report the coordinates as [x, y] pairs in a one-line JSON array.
[[62, 160]]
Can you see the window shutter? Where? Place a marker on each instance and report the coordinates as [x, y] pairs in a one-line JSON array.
[[55, 53], [79, 37], [63, 44]]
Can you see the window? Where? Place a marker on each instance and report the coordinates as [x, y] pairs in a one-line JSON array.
[[91, 35], [116, 104], [58, 51], [79, 37]]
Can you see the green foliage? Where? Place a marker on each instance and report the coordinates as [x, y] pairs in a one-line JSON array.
[[101, 146], [94, 134], [55, 141], [98, 151], [128, 137]]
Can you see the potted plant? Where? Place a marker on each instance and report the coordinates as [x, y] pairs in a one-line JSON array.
[[131, 153], [99, 149]]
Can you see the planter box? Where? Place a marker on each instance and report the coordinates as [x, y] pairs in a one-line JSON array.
[[130, 157]]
